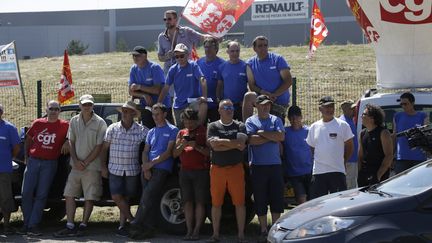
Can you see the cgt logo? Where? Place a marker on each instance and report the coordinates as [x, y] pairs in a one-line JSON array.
[[406, 11]]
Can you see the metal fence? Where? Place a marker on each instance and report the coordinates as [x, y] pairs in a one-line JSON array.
[[306, 93]]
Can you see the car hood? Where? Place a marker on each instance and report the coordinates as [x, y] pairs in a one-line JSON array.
[[356, 202]]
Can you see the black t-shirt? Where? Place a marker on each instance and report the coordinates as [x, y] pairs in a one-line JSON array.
[[229, 157]]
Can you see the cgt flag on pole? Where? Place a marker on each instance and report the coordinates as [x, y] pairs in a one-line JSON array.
[[65, 92], [215, 17], [318, 30]]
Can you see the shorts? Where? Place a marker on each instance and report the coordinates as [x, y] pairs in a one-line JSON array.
[[194, 185], [323, 184], [268, 188], [7, 203], [301, 185], [227, 177], [89, 182], [279, 111], [124, 185]]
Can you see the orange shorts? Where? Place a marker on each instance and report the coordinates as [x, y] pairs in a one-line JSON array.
[[227, 177]]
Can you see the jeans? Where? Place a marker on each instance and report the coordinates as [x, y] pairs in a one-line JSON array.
[[38, 177]]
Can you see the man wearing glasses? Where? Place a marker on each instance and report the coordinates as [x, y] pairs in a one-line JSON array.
[[190, 86], [44, 143], [86, 134], [406, 119], [268, 74]]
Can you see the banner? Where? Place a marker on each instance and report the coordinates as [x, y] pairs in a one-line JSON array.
[[285, 9], [66, 92], [215, 17], [318, 30], [9, 73]]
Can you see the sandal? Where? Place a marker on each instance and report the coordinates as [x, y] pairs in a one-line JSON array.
[[194, 238], [242, 240], [186, 238], [212, 240]]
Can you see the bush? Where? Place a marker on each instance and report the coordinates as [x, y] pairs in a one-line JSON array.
[[76, 47], [121, 45]]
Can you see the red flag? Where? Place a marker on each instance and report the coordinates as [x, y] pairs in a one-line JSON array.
[[364, 22], [65, 91], [318, 30], [194, 53], [215, 17]]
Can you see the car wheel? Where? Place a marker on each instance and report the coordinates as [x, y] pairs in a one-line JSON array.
[[171, 213], [55, 213]]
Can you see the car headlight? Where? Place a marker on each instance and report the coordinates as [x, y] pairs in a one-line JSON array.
[[324, 225]]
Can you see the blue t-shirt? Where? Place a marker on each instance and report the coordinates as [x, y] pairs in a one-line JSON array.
[[158, 139], [234, 80], [150, 75], [267, 153], [8, 140], [267, 74], [186, 82], [210, 70], [354, 156], [298, 155], [403, 122]]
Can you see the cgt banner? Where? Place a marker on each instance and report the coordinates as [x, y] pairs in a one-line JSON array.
[[285, 9], [400, 32], [9, 72]]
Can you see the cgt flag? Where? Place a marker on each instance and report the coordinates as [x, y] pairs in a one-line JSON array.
[[215, 17], [65, 92], [318, 30]]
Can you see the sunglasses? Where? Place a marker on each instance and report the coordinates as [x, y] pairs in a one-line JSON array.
[[233, 51], [364, 114], [87, 104], [53, 109], [169, 19], [228, 107], [403, 103], [179, 56]]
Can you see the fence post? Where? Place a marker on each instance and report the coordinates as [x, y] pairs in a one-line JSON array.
[[39, 98], [294, 91]]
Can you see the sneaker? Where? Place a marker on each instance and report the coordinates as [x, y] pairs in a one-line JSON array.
[[8, 230], [22, 231], [66, 232], [122, 232], [34, 231], [141, 235]]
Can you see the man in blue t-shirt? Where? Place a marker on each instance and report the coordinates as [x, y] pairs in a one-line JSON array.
[[265, 133], [146, 80], [348, 107], [157, 165], [406, 119], [232, 80], [190, 86], [298, 160], [268, 74], [9, 148], [209, 65]]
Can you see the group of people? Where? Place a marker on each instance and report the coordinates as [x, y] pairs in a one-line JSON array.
[[211, 128]]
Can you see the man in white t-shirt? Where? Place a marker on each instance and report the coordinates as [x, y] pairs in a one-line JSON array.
[[331, 140]]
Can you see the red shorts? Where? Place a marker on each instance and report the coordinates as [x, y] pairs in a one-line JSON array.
[[227, 177]]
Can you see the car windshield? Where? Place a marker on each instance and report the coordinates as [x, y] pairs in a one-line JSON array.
[[410, 182]]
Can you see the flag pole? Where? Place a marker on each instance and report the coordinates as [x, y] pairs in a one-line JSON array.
[[179, 17], [19, 73]]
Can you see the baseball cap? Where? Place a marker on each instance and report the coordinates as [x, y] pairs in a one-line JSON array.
[[263, 99], [349, 103], [86, 99], [138, 50], [130, 105], [181, 48], [326, 100]]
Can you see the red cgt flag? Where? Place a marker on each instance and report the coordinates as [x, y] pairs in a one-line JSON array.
[[318, 30], [215, 17], [65, 91], [194, 53]]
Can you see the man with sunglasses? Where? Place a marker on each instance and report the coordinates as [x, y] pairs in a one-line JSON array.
[[44, 143], [227, 139], [406, 119], [232, 80], [268, 74], [146, 80]]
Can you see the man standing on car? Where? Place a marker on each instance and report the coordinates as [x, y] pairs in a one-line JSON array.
[[227, 139], [348, 108], [45, 142], [86, 134], [406, 119], [157, 165], [123, 140], [9, 148], [266, 132], [332, 142], [146, 79]]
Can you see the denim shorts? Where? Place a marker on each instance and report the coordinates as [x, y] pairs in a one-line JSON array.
[[124, 185]]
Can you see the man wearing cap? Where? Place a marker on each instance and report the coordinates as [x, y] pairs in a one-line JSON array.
[[406, 119], [266, 132], [332, 142], [190, 86], [123, 140], [45, 142], [268, 74], [86, 134], [227, 139], [146, 80], [348, 109], [9, 148]]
